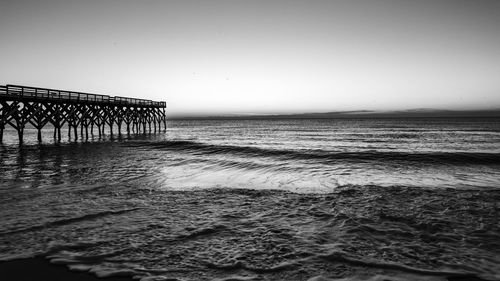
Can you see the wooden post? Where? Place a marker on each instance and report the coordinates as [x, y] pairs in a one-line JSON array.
[[165, 120], [3, 112], [158, 112], [20, 132], [39, 122], [2, 109], [111, 127]]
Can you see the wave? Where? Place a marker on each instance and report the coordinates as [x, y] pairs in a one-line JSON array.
[[67, 221], [343, 257], [327, 156]]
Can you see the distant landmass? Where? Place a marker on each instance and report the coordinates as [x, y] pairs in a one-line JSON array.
[[411, 113]]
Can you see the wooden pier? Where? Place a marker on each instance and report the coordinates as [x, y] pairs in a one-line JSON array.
[[22, 105]]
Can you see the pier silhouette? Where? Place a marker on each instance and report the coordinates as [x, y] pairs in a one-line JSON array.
[[23, 105]]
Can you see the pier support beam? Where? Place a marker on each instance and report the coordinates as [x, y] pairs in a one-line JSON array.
[[20, 134], [22, 106]]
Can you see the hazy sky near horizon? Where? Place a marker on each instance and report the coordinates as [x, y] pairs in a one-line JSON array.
[[244, 57]]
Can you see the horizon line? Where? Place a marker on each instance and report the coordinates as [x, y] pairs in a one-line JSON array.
[[417, 112]]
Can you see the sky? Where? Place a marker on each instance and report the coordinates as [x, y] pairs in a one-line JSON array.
[[260, 57]]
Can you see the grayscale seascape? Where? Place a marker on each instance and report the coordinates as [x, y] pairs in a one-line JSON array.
[[250, 140], [415, 199]]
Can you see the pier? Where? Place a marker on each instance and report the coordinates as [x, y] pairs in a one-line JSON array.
[[77, 111]]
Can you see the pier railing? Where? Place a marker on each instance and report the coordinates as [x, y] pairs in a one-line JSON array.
[[44, 94]]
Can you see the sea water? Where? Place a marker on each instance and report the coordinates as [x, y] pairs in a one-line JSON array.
[[291, 199]]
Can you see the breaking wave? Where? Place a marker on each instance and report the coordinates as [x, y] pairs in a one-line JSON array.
[[328, 156]]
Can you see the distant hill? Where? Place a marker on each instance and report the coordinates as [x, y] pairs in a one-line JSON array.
[[412, 113]]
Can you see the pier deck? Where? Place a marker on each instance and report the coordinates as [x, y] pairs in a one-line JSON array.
[[23, 105]]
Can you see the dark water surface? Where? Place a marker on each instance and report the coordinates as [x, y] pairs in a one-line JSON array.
[[415, 199]]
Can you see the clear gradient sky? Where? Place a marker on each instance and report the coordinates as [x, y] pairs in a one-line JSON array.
[[233, 57]]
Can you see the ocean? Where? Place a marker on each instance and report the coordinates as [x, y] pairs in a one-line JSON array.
[[282, 199]]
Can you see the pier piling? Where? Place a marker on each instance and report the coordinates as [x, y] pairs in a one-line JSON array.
[[22, 105]]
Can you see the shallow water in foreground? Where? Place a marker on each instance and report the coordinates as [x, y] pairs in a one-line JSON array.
[[409, 233], [263, 200]]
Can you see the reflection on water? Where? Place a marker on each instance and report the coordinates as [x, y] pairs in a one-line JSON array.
[[48, 165]]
